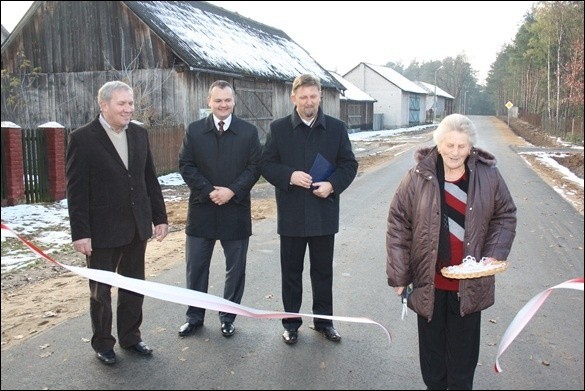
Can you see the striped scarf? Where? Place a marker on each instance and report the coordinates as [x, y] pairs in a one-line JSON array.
[[453, 203]]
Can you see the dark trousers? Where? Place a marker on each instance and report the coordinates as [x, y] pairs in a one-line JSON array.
[[448, 345], [127, 261], [292, 257], [198, 256]]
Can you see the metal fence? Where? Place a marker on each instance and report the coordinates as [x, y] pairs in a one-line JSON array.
[[4, 182], [165, 142], [568, 129], [36, 166]]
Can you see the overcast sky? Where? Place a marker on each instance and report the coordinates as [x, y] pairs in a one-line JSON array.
[[340, 35]]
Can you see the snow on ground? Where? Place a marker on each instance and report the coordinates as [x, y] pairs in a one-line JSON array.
[[47, 225]]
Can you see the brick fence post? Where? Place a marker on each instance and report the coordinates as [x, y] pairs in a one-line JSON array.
[[56, 157], [14, 164]]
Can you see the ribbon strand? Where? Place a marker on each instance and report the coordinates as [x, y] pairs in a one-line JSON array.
[[177, 294], [527, 312]]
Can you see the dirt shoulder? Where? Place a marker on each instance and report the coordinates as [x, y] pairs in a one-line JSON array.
[[571, 159], [41, 297]]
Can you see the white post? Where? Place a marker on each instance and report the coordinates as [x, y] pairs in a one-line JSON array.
[[435, 100]]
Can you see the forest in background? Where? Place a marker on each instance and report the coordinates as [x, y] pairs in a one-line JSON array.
[[541, 71]]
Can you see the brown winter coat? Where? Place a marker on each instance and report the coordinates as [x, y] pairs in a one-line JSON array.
[[412, 237]]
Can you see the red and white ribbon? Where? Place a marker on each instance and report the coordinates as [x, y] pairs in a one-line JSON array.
[[177, 294], [527, 312]]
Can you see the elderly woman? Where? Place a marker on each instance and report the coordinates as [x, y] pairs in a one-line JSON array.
[[453, 203]]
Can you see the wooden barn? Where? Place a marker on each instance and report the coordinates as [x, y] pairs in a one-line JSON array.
[[5, 34], [356, 108], [61, 52], [400, 101]]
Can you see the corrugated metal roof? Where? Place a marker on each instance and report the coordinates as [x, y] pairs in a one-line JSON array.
[[211, 38], [397, 79], [352, 92], [430, 88]]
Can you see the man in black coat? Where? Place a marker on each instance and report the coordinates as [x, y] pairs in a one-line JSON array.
[[309, 160], [219, 162], [114, 198]]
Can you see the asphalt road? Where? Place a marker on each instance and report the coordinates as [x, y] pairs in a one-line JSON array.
[[547, 354]]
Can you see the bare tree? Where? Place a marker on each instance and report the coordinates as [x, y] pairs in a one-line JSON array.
[[15, 105]]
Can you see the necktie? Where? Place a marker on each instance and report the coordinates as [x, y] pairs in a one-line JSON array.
[[220, 129]]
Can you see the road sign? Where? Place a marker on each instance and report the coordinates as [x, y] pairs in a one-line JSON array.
[[509, 105]]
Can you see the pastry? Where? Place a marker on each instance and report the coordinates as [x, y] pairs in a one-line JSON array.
[[470, 268]]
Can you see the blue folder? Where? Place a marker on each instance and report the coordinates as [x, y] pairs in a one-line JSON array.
[[321, 169]]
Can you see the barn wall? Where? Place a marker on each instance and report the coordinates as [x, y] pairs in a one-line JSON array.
[[163, 97]]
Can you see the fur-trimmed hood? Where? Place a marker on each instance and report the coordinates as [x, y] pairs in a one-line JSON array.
[[414, 225], [427, 157]]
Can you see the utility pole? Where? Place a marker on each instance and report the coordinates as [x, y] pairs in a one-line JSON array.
[[435, 100]]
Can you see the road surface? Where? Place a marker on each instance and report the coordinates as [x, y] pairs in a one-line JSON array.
[[547, 354]]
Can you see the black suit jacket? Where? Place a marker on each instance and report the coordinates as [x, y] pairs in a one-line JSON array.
[[107, 202], [206, 160], [291, 145]]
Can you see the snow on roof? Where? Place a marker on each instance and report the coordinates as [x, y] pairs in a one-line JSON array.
[[430, 88], [352, 92], [211, 38], [397, 79]]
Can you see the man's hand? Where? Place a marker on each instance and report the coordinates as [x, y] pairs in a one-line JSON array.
[[301, 179], [83, 246], [221, 195], [161, 231], [322, 189]]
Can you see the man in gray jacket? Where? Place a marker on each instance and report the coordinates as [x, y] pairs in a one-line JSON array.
[[218, 161], [309, 160]]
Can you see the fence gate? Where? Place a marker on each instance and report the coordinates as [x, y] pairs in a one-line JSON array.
[[4, 184], [36, 166]]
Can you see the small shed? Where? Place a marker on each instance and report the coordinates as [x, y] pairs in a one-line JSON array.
[[441, 107], [400, 101], [356, 107]]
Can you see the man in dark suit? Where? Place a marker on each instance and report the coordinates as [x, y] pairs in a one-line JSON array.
[[218, 161], [308, 207], [114, 198]]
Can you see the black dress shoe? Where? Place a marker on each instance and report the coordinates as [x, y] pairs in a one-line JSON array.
[[290, 336], [228, 329], [329, 332], [189, 328], [107, 357], [140, 348]]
